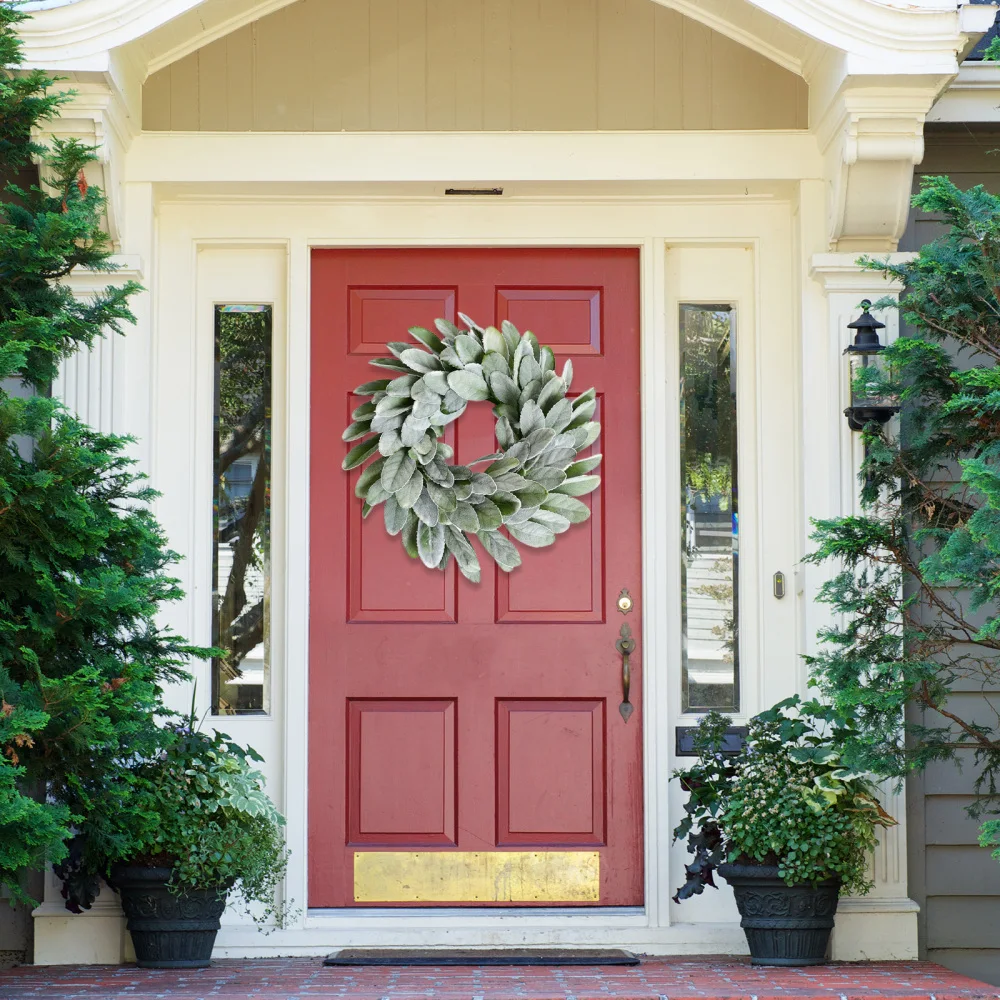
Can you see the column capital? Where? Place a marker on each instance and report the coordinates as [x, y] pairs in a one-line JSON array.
[[100, 116]]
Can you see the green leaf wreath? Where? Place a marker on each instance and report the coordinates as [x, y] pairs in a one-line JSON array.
[[530, 486]]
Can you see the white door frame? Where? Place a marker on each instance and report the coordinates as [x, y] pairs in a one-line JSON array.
[[196, 236]]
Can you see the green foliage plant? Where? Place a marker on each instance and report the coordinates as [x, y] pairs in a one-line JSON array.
[[916, 579], [784, 799], [199, 808]]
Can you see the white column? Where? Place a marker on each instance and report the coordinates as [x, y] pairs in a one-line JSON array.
[[109, 387], [882, 925]]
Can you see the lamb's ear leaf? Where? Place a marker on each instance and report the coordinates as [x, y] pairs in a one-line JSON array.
[[511, 336], [533, 343], [584, 466], [468, 349], [493, 361], [397, 471], [464, 517], [447, 329], [532, 418], [546, 359], [401, 386], [551, 393], [427, 510], [426, 338], [503, 550], [370, 474], [420, 361], [406, 495], [532, 533], [567, 375], [409, 536], [370, 388], [493, 341], [504, 388], [436, 381], [390, 442], [464, 553], [358, 429], [489, 514], [377, 494], [395, 516], [503, 464], [576, 510], [578, 486], [582, 414], [553, 521], [430, 544], [393, 364], [508, 503], [359, 453], [470, 322], [505, 434], [469, 386]]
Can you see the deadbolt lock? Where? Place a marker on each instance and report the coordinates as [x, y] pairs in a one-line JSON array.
[[624, 601]]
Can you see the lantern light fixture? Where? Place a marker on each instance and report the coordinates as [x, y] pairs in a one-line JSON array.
[[866, 352]]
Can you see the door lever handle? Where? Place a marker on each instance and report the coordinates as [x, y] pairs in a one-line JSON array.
[[626, 646]]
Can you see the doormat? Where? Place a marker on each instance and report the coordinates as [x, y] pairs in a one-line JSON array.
[[481, 957]]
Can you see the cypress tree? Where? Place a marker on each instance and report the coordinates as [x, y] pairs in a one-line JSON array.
[[84, 566], [917, 586]]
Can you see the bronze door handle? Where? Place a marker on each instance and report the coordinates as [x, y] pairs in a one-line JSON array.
[[626, 646]]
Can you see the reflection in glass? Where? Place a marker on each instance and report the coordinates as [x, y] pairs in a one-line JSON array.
[[242, 555], [710, 544]]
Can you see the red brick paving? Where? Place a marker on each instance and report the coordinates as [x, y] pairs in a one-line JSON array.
[[655, 979]]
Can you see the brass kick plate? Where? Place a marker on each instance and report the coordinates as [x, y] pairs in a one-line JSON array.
[[477, 876]]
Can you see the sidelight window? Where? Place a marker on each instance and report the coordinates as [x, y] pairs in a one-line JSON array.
[[710, 509], [242, 549]]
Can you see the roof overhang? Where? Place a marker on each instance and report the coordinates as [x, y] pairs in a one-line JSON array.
[[892, 36]]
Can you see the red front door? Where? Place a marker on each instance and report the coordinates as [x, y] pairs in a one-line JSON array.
[[457, 717]]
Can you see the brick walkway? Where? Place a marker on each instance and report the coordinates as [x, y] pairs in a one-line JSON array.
[[655, 979]]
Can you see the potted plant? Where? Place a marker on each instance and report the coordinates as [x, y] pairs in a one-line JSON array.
[[787, 826], [200, 830]]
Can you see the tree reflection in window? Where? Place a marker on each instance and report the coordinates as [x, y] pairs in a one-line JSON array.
[[710, 526], [242, 552]]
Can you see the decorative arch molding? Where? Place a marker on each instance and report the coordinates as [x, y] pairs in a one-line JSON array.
[[901, 35]]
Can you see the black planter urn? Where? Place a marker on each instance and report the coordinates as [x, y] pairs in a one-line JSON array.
[[784, 924], [169, 930]]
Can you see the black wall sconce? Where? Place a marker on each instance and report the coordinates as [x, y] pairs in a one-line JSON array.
[[866, 352]]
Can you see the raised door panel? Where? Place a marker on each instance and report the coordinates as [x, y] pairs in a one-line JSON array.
[[378, 314], [550, 772], [401, 771]]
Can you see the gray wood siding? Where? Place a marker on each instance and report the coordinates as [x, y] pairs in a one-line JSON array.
[[956, 882]]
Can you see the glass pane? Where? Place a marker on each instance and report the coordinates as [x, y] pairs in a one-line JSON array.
[[709, 583], [242, 561]]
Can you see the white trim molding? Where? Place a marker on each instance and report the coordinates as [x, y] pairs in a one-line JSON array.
[[974, 96]]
